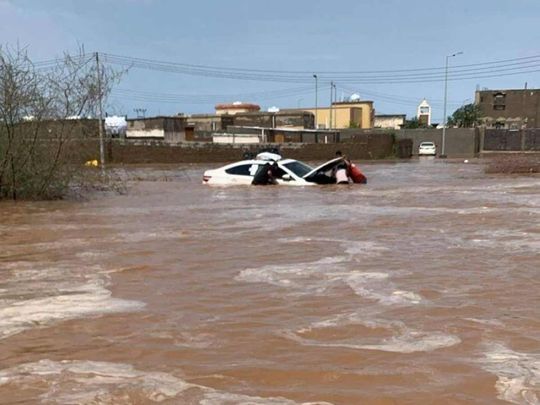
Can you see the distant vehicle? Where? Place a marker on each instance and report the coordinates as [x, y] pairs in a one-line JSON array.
[[290, 172], [427, 148]]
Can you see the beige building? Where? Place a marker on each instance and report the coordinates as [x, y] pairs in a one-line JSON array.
[[345, 114], [389, 121]]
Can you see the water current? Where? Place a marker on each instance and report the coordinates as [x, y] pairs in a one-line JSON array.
[[421, 287]]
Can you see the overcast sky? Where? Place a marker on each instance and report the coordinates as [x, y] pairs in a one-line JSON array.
[[306, 35]]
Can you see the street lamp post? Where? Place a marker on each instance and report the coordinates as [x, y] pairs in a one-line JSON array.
[[443, 147], [316, 100]]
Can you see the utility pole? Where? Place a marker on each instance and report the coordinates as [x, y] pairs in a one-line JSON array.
[[332, 110], [443, 148], [316, 101], [100, 104], [141, 112], [331, 100]]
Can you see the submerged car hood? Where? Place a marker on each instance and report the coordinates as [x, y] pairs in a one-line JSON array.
[[323, 168]]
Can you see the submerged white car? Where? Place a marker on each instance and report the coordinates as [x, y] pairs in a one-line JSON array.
[[427, 148], [290, 172]]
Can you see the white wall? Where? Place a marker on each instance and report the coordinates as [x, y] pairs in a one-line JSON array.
[[240, 138], [388, 122], [142, 133]]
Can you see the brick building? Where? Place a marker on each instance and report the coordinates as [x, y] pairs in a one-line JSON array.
[[510, 109]]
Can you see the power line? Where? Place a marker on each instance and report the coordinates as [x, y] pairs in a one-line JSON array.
[[463, 72], [299, 72], [504, 67]]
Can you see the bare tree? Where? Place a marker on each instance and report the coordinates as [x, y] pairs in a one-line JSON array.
[[43, 139]]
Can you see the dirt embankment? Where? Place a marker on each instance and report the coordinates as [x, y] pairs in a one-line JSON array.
[[514, 164]]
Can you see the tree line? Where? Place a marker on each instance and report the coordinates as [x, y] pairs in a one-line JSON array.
[[466, 116], [37, 162]]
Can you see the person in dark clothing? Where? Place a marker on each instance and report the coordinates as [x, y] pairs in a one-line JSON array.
[[265, 175]]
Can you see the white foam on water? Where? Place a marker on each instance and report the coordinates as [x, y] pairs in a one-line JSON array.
[[375, 285], [92, 255], [146, 236], [415, 341], [91, 382], [311, 275], [319, 275], [403, 339], [197, 341], [364, 248], [489, 322], [506, 239], [76, 301], [37, 297], [518, 374], [350, 247]]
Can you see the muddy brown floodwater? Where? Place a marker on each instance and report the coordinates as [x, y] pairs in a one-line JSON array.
[[422, 287]]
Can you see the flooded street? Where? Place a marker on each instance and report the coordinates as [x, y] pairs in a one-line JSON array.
[[421, 287]]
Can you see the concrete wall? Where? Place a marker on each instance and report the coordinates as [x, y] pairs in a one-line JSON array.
[[460, 142], [145, 133], [80, 128], [368, 147], [236, 138], [505, 140]]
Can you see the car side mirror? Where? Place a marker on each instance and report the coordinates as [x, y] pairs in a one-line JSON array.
[[286, 177]]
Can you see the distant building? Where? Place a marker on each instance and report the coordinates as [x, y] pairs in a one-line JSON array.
[[281, 118], [236, 108], [511, 109], [209, 122], [389, 121], [423, 113], [168, 129], [344, 114]]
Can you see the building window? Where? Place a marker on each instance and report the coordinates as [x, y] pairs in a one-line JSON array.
[[499, 101]]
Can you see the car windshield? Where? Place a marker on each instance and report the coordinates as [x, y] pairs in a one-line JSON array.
[[427, 144], [298, 168]]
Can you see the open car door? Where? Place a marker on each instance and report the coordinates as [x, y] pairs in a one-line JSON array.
[[323, 173]]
